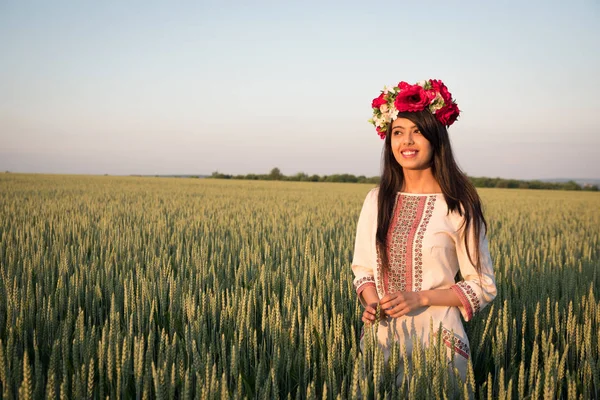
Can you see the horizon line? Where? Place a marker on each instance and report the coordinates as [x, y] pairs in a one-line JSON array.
[[253, 173]]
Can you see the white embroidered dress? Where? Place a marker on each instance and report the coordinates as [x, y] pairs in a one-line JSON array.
[[425, 251]]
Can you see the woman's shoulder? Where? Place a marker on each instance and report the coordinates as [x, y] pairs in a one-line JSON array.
[[370, 202], [373, 194]]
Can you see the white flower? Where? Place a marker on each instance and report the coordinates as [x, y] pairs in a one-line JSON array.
[[388, 89], [436, 103], [393, 113], [384, 108], [382, 120], [422, 83]]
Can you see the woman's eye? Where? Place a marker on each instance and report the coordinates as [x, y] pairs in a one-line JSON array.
[[418, 131]]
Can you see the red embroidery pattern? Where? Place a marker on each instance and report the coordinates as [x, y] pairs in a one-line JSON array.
[[398, 243], [409, 244], [470, 295], [382, 278], [381, 284], [418, 271], [411, 217], [363, 281], [465, 302], [460, 347]]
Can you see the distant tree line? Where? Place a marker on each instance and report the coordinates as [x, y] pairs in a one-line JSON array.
[[276, 175], [535, 184], [484, 182]]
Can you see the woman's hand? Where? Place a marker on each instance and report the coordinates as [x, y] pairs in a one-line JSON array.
[[370, 314], [401, 303]]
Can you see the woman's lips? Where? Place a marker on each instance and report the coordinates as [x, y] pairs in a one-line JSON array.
[[410, 153]]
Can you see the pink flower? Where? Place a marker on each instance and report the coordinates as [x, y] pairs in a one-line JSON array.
[[448, 114], [411, 98], [439, 87], [379, 101], [431, 94]]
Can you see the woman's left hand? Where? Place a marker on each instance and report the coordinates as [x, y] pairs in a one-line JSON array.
[[400, 303]]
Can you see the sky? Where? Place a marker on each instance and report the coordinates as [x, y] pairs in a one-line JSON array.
[[132, 87]]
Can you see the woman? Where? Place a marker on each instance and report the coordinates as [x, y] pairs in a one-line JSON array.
[[421, 227]]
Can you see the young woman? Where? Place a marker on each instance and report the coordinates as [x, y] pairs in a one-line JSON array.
[[421, 227]]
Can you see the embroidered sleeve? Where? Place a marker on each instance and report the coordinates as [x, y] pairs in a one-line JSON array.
[[363, 259], [362, 283], [475, 291]]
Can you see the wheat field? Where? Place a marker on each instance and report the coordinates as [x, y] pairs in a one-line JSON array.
[[140, 288]]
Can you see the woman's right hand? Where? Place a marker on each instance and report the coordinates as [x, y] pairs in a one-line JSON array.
[[370, 313]]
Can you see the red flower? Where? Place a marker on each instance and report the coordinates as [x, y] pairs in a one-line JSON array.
[[411, 98], [403, 85], [379, 101], [381, 132], [438, 86], [447, 114]]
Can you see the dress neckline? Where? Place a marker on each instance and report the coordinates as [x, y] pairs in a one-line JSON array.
[[420, 194]]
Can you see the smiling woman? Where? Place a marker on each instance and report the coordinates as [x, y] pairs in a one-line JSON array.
[[421, 253], [410, 148]]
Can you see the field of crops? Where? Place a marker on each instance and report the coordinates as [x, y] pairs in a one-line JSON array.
[[169, 288]]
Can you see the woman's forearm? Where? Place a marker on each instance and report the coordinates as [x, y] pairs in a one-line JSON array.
[[369, 295], [439, 297]]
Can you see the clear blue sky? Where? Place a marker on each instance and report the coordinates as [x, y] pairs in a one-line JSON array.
[[142, 87]]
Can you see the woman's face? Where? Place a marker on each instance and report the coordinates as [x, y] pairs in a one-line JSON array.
[[411, 149]]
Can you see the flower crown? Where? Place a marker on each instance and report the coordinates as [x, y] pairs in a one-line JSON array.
[[432, 95]]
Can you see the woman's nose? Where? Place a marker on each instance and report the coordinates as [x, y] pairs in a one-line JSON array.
[[408, 138]]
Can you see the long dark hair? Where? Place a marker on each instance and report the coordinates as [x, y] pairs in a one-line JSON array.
[[459, 192]]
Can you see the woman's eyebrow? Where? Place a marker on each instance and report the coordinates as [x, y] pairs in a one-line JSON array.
[[402, 128]]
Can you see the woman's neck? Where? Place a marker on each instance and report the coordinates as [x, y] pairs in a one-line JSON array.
[[420, 181]]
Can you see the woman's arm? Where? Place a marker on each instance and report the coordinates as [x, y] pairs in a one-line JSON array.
[[370, 297], [439, 297], [400, 303], [478, 288], [363, 258]]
